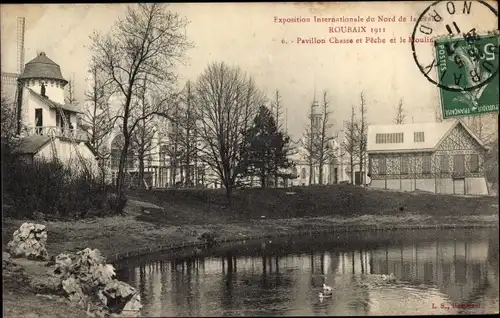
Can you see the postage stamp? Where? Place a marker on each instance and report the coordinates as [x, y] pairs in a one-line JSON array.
[[464, 61], [469, 64]]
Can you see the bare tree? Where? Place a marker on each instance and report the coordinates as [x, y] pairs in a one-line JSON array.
[[309, 142], [278, 112], [188, 132], [70, 96], [174, 138], [484, 126], [324, 142], [227, 102], [144, 133], [96, 117], [350, 142], [362, 129], [142, 47], [400, 114]]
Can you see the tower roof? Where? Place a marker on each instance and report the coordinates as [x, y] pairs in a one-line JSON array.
[[42, 67]]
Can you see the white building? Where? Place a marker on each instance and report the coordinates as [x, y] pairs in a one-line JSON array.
[[47, 125], [444, 157], [159, 170]]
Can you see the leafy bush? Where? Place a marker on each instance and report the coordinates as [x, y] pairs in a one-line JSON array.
[[53, 189]]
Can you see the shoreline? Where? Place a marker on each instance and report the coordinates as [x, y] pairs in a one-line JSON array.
[[121, 238], [181, 247]]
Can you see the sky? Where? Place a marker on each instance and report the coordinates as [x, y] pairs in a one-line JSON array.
[[250, 35]]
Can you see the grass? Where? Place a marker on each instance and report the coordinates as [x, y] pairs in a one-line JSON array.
[[160, 217], [339, 200], [168, 212], [21, 298]]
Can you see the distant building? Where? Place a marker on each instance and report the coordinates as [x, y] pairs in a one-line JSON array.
[[47, 125], [301, 170], [160, 171], [444, 157]]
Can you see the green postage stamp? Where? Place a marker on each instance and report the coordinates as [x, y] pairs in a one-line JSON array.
[[467, 69]]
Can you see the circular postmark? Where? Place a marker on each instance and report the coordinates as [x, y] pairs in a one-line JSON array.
[[465, 59]]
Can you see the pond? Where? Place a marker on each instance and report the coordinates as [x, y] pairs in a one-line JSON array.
[[443, 272]]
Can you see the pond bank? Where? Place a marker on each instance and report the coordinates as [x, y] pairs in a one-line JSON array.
[[121, 237], [186, 248], [300, 242]]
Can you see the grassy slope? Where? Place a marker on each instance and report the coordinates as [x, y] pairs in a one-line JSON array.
[[338, 200], [204, 210]]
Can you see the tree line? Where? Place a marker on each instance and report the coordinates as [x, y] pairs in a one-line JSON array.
[[219, 120]]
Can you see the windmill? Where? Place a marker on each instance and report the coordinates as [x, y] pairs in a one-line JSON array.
[[12, 78]]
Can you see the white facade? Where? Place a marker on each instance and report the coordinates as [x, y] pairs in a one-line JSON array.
[[445, 158], [43, 113], [31, 102], [54, 89], [66, 152]]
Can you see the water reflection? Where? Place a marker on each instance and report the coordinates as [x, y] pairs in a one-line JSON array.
[[430, 277]]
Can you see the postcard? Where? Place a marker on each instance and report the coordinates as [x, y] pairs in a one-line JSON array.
[[250, 159]]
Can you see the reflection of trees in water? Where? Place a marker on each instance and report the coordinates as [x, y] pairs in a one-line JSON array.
[[249, 290], [459, 269], [142, 282], [359, 300], [226, 288], [455, 267], [362, 262], [165, 282]]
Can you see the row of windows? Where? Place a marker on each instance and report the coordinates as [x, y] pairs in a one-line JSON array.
[[418, 136], [390, 138], [458, 164], [396, 138]]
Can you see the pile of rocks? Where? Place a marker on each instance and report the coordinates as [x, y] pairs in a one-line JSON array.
[[84, 276], [90, 283], [29, 242]]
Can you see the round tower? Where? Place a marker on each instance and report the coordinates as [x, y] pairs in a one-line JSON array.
[[44, 77]]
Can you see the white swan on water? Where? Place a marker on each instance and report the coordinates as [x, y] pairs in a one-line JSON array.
[[327, 290], [321, 295], [390, 277]]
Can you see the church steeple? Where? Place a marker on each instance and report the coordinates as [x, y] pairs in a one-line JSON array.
[[314, 96]]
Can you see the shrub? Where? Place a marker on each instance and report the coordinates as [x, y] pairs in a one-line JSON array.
[[53, 189], [209, 238]]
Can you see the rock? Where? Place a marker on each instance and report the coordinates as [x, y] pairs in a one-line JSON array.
[[121, 296], [90, 284], [29, 242], [75, 293], [5, 256]]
